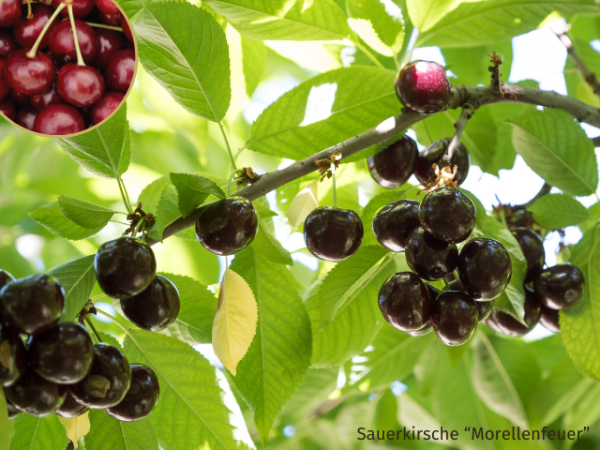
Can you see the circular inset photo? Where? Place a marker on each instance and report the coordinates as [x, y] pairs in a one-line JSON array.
[[57, 82]]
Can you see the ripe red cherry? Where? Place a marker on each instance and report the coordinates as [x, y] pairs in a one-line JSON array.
[[58, 120], [454, 316], [71, 408], [80, 85], [110, 19], [4, 86], [532, 246], [8, 109], [107, 6], [36, 396], [49, 97], [14, 356], [126, 28], [105, 106], [434, 154], [120, 69], [393, 166], [485, 308], [27, 30], [429, 257], [16, 97], [394, 222], [29, 76], [448, 215], [141, 398], [423, 86], [506, 324], [560, 286], [549, 319], [7, 43], [62, 42], [428, 328], [404, 301], [26, 117], [109, 43], [81, 8], [10, 13]]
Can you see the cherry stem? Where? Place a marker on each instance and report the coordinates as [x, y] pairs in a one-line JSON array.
[[334, 186], [118, 221], [139, 225], [107, 27], [31, 53], [461, 123], [80, 61], [93, 328], [29, 12], [115, 320], [229, 181], [124, 195]]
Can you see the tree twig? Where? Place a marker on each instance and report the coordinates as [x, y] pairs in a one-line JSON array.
[[543, 191], [588, 75], [461, 123]]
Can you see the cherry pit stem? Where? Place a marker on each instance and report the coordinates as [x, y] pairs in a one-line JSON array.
[[107, 27], [77, 49], [93, 328], [334, 185], [31, 53], [467, 111]]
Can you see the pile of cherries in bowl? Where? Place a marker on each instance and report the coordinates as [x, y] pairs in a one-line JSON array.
[[51, 83]]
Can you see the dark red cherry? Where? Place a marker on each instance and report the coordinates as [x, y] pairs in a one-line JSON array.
[[124, 267], [63, 354], [520, 218], [12, 411], [454, 316], [560, 286], [27, 30], [16, 97], [8, 108], [107, 6], [485, 308], [110, 19], [485, 268], [10, 13], [155, 308], [46, 98], [108, 380], [4, 86], [5, 278], [71, 408], [404, 301], [333, 234], [448, 215], [532, 246], [126, 29], [80, 85], [428, 328], [549, 319], [35, 395], [13, 356], [81, 8], [430, 258], [32, 305], [59, 119], [423, 86], [227, 226], [26, 117], [394, 222], [141, 398], [109, 43], [506, 324], [393, 166], [120, 69], [105, 106], [434, 154], [62, 42], [7, 43], [29, 76]]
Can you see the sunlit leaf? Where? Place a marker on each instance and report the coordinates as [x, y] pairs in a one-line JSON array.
[[303, 204], [77, 278], [84, 214], [76, 427]]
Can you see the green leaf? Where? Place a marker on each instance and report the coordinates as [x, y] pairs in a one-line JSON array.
[[254, 60], [266, 240], [470, 64], [190, 412], [557, 149], [110, 434], [198, 309], [51, 217], [279, 355], [325, 110], [84, 214], [426, 13], [294, 20], [192, 190], [185, 50], [105, 150], [34, 433], [375, 24], [4, 425], [167, 211], [150, 196], [557, 211], [77, 278]]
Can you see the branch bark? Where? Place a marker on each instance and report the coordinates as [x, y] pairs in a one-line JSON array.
[[588, 75], [476, 96]]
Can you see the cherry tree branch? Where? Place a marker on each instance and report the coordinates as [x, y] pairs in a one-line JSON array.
[[476, 96], [588, 75]]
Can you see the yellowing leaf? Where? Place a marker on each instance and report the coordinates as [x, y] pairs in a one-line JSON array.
[[235, 322], [303, 204], [76, 427]]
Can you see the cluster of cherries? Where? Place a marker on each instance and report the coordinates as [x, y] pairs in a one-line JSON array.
[[52, 83]]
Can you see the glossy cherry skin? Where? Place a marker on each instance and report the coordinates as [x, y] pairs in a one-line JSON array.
[[109, 43], [333, 234], [32, 305], [26, 117], [560, 286], [17, 97], [59, 119], [62, 42], [549, 319], [141, 398], [46, 98], [80, 85], [29, 76], [107, 6], [8, 108], [227, 226], [124, 267], [485, 308], [485, 268], [448, 215], [532, 246], [27, 30], [423, 86], [14, 356], [63, 354], [430, 258], [12, 411], [126, 29], [5, 278], [394, 222], [155, 308], [428, 328], [35, 395], [107, 382], [110, 19], [454, 316], [506, 324], [4, 86], [120, 70], [7, 43], [404, 301], [520, 218], [10, 13], [434, 154], [107, 104], [81, 8], [71, 408], [393, 166]]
